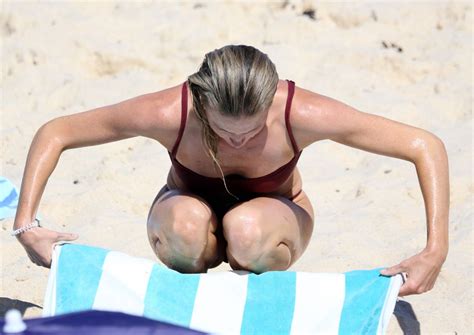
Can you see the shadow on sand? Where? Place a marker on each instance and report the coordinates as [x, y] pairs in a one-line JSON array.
[[406, 318], [22, 306]]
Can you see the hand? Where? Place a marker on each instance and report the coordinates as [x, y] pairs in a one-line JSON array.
[[421, 272], [38, 243]]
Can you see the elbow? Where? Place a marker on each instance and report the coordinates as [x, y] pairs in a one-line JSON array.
[[436, 145], [428, 145], [49, 135]]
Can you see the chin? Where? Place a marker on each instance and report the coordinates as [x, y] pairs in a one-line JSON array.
[[235, 146], [238, 147]]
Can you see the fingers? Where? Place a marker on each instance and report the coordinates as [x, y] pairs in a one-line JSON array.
[[66, 237], [421, 273], [405, 290], [38, 244], [417, 286], [412, 288], [409, 286], [391, 271]]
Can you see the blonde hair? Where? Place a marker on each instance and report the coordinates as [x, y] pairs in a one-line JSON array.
[[236, 81]]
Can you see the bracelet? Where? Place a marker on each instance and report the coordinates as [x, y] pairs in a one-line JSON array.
[[34, 224]]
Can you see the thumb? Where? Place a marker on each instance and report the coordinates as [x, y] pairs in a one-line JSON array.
[[66, 237], [391, 271]]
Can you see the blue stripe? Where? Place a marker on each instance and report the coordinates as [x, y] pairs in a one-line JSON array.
[[363, 302], [170, 296], [9, 199], [77, 281], [270, 303]]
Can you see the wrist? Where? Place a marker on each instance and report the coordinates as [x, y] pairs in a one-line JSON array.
[[23, 221], [25, 228], [439, 251]]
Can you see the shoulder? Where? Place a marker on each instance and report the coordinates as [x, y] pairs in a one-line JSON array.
[[304, 102], [308, 104], [315, 116], [161, 108], [156, 115]]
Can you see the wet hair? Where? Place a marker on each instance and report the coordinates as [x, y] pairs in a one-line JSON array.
[[236, 81]]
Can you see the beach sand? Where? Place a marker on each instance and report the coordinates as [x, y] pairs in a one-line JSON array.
[[408, 62]]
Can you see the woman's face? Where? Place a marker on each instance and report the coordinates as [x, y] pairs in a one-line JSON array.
[[237, 132]]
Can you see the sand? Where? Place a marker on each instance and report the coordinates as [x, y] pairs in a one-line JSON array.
[[408, 62]]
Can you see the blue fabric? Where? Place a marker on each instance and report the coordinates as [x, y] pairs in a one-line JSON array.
[[270, 297], [163, 286], [8, 198], [100, 323], [366, 290], [68, 297], [268, 304]]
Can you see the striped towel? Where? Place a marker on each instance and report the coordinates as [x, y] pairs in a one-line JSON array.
[[83, 278], [8, 198]]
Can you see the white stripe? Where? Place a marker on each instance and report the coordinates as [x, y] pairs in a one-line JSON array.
[[220, 302], [389, 304], [123, 284], [49, 308], [318, 303]]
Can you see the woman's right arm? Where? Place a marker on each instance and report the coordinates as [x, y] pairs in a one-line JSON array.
[[148, 115]]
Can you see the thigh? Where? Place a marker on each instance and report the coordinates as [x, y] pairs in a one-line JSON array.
[[267, 222]]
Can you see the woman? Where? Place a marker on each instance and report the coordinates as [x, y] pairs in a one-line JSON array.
[[236, 195]]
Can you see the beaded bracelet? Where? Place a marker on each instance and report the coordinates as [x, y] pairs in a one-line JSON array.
[[34, 224]]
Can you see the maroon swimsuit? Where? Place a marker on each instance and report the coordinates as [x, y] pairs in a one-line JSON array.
[[213, 189]]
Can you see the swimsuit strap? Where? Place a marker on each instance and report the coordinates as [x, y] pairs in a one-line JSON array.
[[291, 92], [184, 114]]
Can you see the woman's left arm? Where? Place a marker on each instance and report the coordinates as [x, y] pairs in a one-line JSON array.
[[320, 117]]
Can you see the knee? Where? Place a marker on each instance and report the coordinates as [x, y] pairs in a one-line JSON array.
[[180, 237], [245, 238], [189, 228], [184, 222], [182, 247]]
